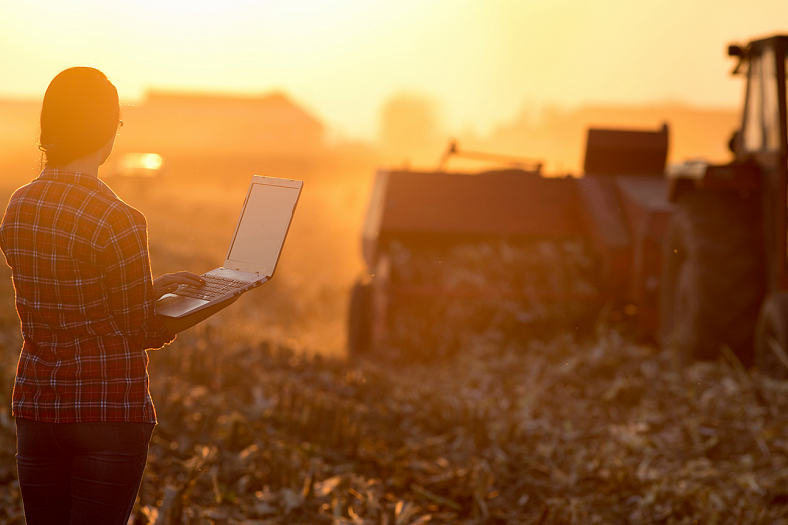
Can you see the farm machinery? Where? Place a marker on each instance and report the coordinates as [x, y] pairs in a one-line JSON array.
[[724, 278], [694, 256]]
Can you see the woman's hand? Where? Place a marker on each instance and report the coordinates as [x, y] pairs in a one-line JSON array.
[[169, 282]]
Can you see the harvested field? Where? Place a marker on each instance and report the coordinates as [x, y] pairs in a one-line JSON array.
[[262, 421], [600, 432]]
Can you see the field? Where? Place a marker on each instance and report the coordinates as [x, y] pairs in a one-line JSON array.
[[262, 420]]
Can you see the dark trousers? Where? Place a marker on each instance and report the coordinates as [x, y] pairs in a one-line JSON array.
[[80, 473]]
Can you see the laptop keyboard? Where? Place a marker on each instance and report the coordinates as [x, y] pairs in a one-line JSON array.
[[213, 288]]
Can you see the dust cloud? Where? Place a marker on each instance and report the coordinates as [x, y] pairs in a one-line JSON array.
[[213, 144], [409, 130]]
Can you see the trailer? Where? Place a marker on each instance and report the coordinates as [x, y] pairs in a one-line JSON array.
[[695, 255], [579, 244]]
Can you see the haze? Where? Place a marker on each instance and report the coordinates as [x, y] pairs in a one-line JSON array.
[[481, 62]]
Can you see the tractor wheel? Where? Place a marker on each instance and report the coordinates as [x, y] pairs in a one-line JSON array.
[[771, 337], [713, 277], [360, 319]]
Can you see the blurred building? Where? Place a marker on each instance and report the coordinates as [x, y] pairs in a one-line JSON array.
[[205, 124]]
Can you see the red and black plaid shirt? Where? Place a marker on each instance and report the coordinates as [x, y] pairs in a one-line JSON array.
[[84, 295]]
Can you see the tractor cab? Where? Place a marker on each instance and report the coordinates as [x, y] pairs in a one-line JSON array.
[[762, 136], [724, 269], [761, 141]]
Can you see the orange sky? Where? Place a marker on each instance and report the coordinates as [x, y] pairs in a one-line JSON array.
[[481, 61]]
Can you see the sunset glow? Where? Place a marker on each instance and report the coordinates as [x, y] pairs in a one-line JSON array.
[[538, 271], [482, 62]]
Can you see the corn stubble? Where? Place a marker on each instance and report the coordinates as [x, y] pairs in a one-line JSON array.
[[455, 424], [545, 432]]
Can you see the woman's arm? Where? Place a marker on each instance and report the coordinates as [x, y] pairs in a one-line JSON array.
[[133, 293], [168, 283], [179, 324]]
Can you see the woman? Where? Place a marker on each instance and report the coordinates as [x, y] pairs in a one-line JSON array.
[[85, 298]]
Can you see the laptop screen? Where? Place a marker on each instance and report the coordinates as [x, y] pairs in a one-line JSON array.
[[262, 228]]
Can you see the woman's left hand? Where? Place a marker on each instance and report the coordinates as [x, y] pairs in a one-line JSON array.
[[169, 282]]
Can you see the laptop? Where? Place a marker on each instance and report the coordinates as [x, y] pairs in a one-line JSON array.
[[254, 250]]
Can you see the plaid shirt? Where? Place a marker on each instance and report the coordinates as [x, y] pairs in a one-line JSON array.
[[84, 295]]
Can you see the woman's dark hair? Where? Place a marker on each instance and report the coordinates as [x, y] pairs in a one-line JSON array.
[[79, 115]]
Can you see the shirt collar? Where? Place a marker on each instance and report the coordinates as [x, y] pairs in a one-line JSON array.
[[73, 177]]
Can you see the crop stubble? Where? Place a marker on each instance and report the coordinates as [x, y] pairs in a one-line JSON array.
[[262, 422]]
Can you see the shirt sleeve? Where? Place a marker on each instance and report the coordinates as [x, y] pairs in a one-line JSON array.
[[4, 227], [129, 281]]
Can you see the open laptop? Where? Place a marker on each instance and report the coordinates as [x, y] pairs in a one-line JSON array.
[[253, 253]]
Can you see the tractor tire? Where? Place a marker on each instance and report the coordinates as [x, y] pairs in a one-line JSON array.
[[713, 276], [359, 333], [772, 330]]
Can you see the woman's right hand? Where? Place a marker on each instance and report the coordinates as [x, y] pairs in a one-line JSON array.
[[169, 282]]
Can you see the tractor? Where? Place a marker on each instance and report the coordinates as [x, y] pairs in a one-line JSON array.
[[694, 254], [725, 279]]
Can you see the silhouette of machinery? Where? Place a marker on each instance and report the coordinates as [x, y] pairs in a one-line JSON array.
[[698, 251], [724, 279]]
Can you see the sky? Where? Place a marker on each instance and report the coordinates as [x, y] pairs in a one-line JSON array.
[[482, 62]]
